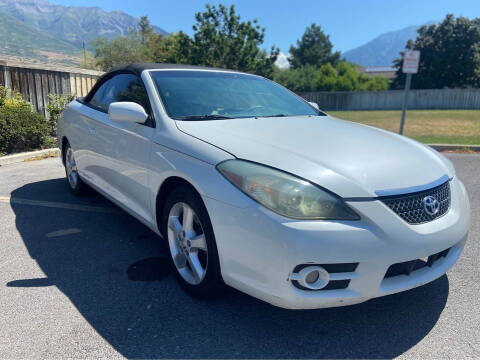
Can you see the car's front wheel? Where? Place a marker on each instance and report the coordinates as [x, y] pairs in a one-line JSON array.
[[194, 257]]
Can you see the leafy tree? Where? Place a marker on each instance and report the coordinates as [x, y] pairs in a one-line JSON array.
[[326, 78], [221, 39], [314, 48], [120, 50], [450, 55], [177, 48], [145, 29]]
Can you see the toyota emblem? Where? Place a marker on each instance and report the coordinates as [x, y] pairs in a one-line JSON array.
[[431, 205]]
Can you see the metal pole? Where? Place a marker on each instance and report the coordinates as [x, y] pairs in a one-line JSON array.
[[84, 54], [405, 100]]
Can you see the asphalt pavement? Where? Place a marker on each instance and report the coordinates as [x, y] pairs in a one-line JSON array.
[[81, 278]]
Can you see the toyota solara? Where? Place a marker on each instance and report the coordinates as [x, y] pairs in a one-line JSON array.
[[253, 187]]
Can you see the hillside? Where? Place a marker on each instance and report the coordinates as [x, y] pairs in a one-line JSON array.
[[20, 40], [382, 50], [71, 24]]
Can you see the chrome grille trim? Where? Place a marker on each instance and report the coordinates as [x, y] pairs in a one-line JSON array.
[[410, 206], [413, 189]]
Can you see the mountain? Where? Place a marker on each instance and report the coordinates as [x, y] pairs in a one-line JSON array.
[[382, 50], [71, 24], [20, 40]]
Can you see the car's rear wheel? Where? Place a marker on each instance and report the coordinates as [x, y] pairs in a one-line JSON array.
[[75, 183], [193, 251]]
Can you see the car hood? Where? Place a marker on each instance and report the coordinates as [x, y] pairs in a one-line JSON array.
[[350, 159]]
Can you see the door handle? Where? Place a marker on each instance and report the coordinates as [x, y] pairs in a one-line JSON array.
[[92, 130]]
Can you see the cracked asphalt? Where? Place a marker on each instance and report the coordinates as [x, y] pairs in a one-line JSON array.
[[80, 278]]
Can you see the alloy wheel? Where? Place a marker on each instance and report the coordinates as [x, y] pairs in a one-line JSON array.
[[71, 166], [187, 243]]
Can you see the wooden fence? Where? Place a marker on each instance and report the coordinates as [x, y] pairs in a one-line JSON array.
[[392, 99], [35, 82]]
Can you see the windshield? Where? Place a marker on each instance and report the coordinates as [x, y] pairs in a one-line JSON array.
[[209, 95]]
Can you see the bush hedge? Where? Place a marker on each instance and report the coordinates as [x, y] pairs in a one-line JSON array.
[[21, 128], [56, 104]]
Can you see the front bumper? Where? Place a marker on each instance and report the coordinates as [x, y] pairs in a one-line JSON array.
[[259, 250]]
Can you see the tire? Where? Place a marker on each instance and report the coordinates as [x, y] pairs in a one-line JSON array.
[[184, 241], [75, 183]]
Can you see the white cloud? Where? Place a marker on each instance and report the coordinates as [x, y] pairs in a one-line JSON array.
[[282, 61]]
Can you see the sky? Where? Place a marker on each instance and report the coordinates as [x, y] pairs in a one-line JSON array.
[[350, 23]]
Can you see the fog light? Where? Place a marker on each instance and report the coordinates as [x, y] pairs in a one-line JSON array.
[[312, 277]]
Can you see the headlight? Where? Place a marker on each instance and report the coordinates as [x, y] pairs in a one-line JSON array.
[[283, 193]]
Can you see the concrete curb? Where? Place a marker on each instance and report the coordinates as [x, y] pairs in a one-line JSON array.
[[15, 158], [455, 147]]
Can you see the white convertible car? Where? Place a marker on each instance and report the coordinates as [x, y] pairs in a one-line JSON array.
[[256, 188]]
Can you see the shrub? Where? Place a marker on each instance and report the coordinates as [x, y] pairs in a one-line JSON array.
[[56, 104], [297, 80], [11, 98], [343, 77], [21, 128]]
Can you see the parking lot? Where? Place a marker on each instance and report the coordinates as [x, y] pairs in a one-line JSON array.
[[81, 278]]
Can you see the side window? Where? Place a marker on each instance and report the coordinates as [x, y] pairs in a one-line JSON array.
[[122, 87]]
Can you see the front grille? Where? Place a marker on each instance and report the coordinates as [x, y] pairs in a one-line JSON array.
[[411, 209], [407, 267]]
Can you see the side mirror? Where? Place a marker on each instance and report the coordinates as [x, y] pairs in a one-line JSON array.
[[314, 104], [127, 112]]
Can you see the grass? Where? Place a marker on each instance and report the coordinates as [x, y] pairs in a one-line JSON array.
[[52, 154], [428, 126]]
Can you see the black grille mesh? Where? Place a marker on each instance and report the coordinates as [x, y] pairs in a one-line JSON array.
[[407, 267], [410, 207]]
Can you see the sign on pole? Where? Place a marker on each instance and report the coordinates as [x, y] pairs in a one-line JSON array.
[[411, 59]]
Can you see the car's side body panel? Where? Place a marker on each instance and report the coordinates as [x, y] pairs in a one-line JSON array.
[[120, 161], [73, 124]]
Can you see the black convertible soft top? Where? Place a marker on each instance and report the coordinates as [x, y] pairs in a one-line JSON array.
[[139, 67]]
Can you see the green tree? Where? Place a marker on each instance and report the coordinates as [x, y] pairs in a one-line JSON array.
[[221, 39], [450, 55], [326, 78], [177, 48], [145, 29], [314, 48], [120, 50]]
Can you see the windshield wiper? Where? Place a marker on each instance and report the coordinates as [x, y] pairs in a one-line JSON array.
[[277, 115], [205, 117]]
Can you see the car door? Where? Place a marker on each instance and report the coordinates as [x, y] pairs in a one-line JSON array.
[[120, 151]]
